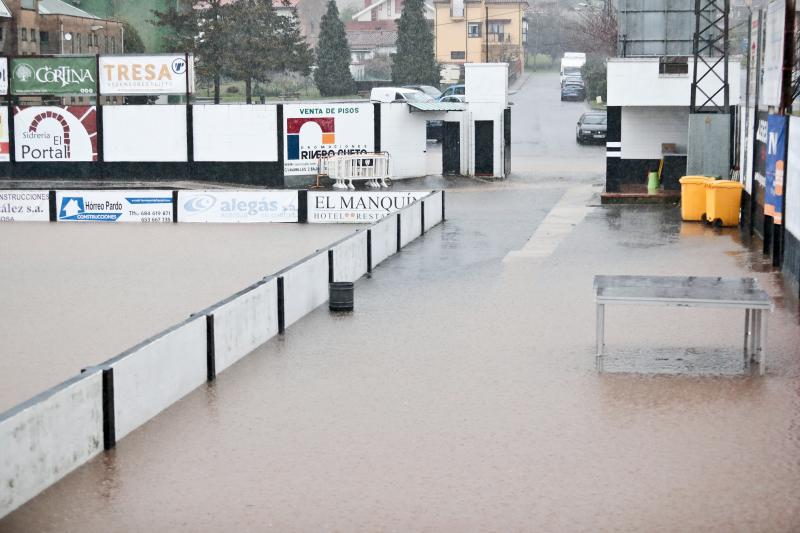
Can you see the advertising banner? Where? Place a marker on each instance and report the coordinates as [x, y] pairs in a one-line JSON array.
[[773, 54], [24, 206], [357, 207], [760, 158], [319, 130], [135, 74], [792, 193], [114, 206], [53, 75], [237, 206], [47, 134], [3, 75], [776, 167], [5, 147]]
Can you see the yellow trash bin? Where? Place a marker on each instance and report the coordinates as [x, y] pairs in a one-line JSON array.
[[693, 197], [723, 199]]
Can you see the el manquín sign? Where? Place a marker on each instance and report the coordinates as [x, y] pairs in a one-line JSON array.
[[53, 75]]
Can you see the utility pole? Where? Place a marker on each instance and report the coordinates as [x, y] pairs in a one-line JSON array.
[[486, 36]]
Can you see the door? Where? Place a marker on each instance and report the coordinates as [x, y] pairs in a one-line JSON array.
[[484, 147], [451, 148], [507, 141]]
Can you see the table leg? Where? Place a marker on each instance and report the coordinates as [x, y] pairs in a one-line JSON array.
[[600, 336], [754, 332], [762, 343], [746, 337]]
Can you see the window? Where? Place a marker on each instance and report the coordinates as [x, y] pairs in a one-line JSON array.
[[78, 38], [24, 34], [44, 36], [1, 34], [673, 65], [33, 35], [113, 46], [457, 54], [474, 29]]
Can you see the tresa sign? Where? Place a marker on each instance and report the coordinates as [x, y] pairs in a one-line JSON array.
[[53, 75], [357, 207], [135, 74], [114, 206], [237, 206], [24, 206]]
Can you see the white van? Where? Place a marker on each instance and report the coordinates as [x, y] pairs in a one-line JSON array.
[[398, 94], [571, 64]]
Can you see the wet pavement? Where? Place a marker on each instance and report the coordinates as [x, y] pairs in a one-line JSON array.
[[461, 394], [74, 295]]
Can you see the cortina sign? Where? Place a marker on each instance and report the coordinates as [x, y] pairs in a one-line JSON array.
[[56, 75]]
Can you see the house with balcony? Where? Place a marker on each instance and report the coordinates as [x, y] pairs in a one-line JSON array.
[[487, 31]]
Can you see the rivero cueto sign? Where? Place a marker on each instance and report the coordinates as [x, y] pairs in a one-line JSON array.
[[53, 75]]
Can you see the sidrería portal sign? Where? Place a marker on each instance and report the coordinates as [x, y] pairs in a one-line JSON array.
[[53, 75]]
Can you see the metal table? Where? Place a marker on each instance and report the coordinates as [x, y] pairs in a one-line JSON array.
[[691, 291]]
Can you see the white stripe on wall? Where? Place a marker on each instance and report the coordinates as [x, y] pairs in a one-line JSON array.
[[614, 144], [613, 154]]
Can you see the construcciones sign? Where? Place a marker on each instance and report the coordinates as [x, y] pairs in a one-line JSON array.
[[114, 206], [27, 206]]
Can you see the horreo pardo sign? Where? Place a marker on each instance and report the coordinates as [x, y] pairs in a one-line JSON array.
[[53, 75], [320, 130], [357, 207], [114, 206]]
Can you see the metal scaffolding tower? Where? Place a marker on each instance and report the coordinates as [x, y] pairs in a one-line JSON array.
[[710, 49]]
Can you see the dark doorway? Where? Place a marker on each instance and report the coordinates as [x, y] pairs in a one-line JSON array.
[[507, 141], [484, 147], [451, 148]]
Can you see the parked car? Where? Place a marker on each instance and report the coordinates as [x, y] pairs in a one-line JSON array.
[[453, 98], [572, 78], [453, 90], [591, 127], [573, 91], [430, 90], [398, 94]]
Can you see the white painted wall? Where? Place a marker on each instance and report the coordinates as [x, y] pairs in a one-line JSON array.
[[235, 132], [636, 82], [493, 112], [793, 179], [145, 133], [350, 258], [384, 239], [486, 83], [43, 441], [433, 209], [746, 152], [645, 128], [245, 323], [403, 136], [305, 287], [158, 374], [410, 223]]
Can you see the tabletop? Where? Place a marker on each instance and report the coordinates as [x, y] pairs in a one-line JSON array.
[[689, 289]]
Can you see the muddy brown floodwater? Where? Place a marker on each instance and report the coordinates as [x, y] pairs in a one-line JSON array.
[[74, 295], [461, 395]]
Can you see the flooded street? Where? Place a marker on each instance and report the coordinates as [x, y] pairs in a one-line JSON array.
[[75, 295], [461, 394]]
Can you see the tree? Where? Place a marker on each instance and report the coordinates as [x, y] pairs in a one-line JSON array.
[[415, 61], [133, 43], [333, 77], [545, 35], [198, 28], [595, 30], [263, 43], [593, 73]]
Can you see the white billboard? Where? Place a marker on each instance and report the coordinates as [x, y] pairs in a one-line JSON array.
[[5, 147], [235, 132], [3, 75], [146, 133], [357, 207], [773, 54], [144, 74], [237, 206], [50, 134], [24, 206], [318, 130], [114, 206]]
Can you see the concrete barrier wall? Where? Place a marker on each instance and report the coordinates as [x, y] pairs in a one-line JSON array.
[[350, 258], [411, 223], [245, 323], [433, 210], [47, 437], [154, 375], [384, 239], [305, 287]]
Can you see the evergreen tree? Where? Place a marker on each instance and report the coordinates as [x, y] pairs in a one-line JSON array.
[[333, 76], [415, 62], [297, 55], [197, 28], [133, 43]]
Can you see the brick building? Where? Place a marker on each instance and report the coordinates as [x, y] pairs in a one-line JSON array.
[[42, 27]]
